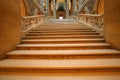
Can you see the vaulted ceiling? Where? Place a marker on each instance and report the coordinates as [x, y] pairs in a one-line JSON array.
[[39, 6]]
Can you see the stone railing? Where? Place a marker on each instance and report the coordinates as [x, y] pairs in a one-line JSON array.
[[94, 21], [31, 22]]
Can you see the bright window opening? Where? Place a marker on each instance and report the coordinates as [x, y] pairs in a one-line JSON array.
[[60, 18]]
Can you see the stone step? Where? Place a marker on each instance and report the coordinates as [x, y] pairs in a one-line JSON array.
[[63, 54], [67, 31], [61, 41], [59, 32], [63, 46], [60, 29], [63, 37], [60, 76], [82, 33], [59, 66]]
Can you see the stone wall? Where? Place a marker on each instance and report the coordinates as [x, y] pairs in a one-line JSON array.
[[101, 7], [112, 22], [23, 9], [10, 25]]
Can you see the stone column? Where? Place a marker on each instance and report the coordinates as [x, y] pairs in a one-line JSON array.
[[47, 7], [74, 7], [67, 9], [81, 2], [71, 11], [42, 6], [50, 10], [54, 8]]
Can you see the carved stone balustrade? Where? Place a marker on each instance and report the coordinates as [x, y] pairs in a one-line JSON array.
[[94, 21], [31, 21]]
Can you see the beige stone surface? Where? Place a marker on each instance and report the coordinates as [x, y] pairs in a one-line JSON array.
[[64, 45], [63, 52], [10, 25], [82, 63], [10, 36], [59, 77], [62, 39], [101, 7], [112, 23]]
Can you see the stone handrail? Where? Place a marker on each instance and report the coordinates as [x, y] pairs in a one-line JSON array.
[[94, 21], [30, 22]]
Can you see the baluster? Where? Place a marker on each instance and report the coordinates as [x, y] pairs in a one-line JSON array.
[[96, 21], [30, 22]]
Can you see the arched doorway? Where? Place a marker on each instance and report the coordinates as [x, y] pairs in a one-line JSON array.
[[60, 10]]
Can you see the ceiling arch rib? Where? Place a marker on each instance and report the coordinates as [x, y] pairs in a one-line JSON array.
[[39, 5]]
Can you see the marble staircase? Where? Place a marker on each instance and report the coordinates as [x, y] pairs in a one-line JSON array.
[[60, 52]]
